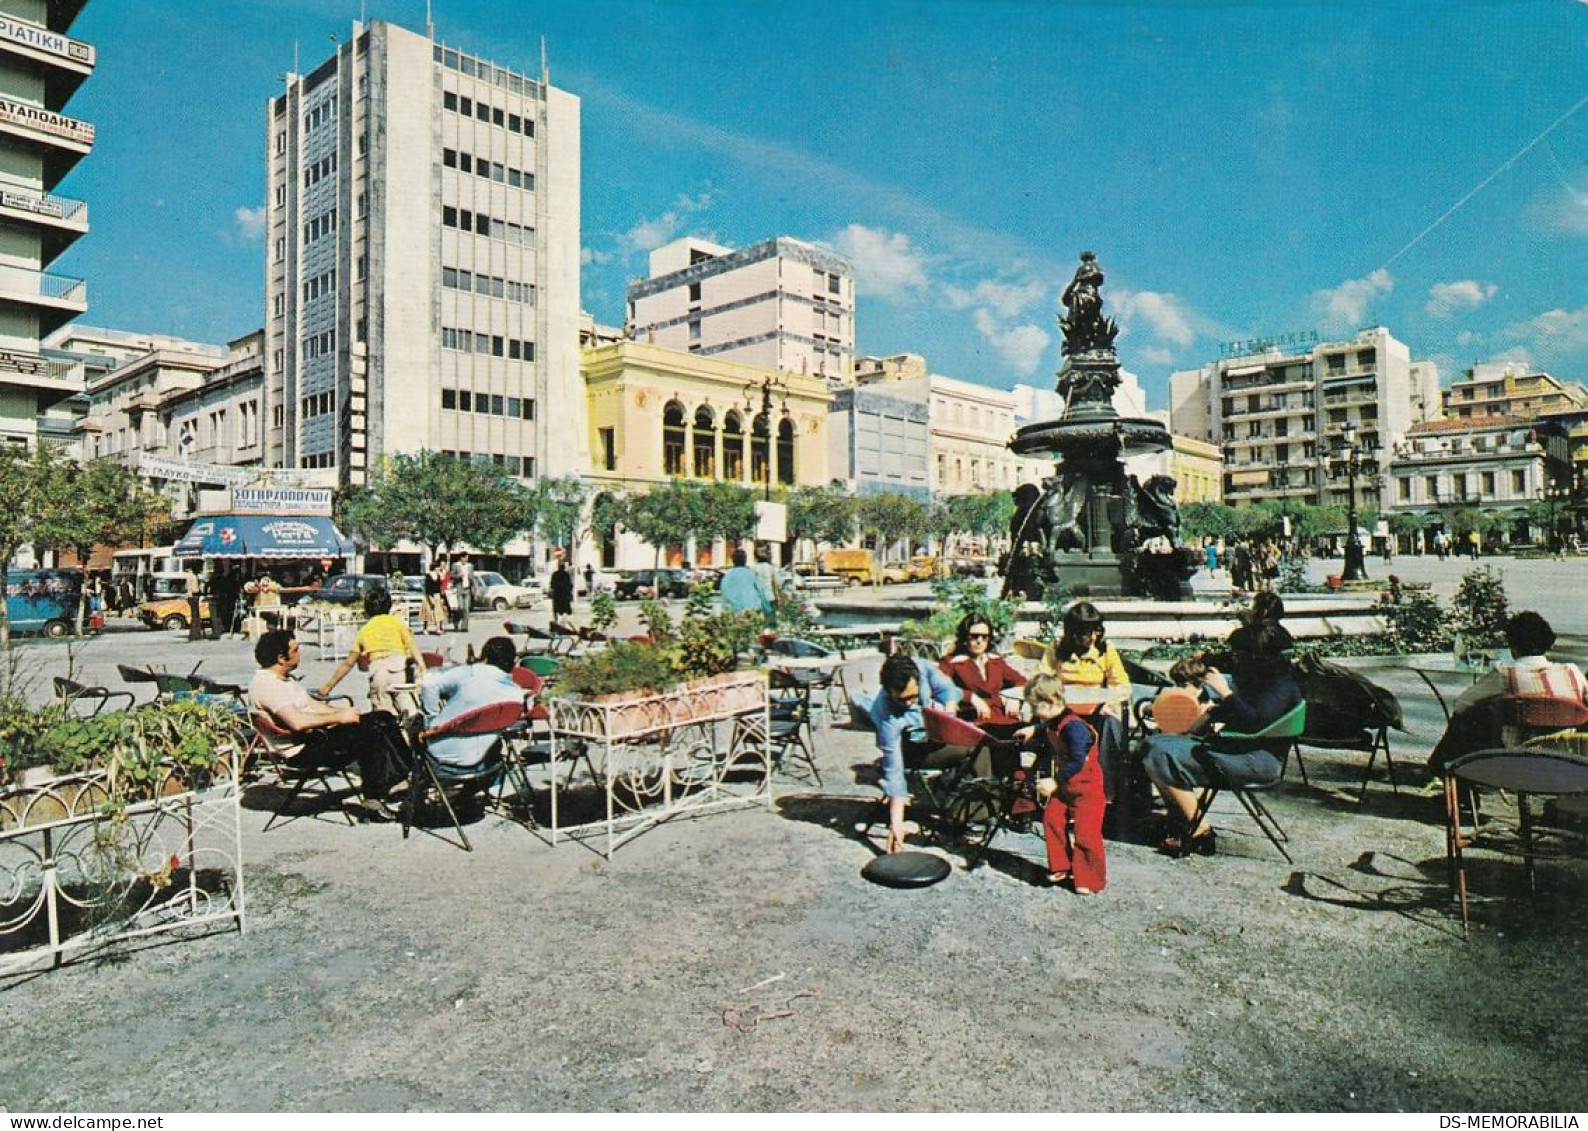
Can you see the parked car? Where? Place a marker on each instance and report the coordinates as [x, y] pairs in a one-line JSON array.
[[349, 589], [166, 606], [794, 581], [645, 583], [971, 567], [493, 591]]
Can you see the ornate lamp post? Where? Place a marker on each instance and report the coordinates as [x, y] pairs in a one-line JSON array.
[[1349, 460], [768, 385], [1556, 492]]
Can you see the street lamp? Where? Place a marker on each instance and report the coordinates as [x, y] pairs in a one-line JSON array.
[[767, 386], [1556, 492], [1350, 460]]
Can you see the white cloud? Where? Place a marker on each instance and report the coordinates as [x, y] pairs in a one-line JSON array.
[[1021, 347], [886, 265], [1156, 355], [1445, 299], [589, 256], [1009, 300], [250, 222], [1565, 212], [1466, 338], [1347, 305], [1517, 354], [1559, 329], [650, 234], [1165, 314]]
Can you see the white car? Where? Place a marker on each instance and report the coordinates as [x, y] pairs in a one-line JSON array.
[[493, 591]]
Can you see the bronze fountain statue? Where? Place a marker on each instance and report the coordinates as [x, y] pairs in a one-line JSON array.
[[1090, 524]]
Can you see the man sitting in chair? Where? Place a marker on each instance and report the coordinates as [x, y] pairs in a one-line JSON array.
[[447, 694], [332, 735], [901, 728], [1476, 720]]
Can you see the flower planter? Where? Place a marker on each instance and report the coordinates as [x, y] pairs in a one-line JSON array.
[[626, 715]]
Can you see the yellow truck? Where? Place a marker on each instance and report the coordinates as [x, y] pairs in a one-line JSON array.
[[859, 567]]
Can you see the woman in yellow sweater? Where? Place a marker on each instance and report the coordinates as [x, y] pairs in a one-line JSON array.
[[389, 645], [1095, 683]]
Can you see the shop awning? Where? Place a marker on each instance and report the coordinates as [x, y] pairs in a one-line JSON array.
[[263, 536]]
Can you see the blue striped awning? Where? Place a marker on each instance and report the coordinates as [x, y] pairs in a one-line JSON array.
[[263, 536]]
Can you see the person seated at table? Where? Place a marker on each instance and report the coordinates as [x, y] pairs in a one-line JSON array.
[[901, 728], [333, 736], [982, 676], [389, 647], [1477, 721], [1195, 688], [1095, 683], [1263, 690], [447, 694]]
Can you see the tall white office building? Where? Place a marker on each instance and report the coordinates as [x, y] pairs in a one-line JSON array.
[[422, 262], [40, 69]]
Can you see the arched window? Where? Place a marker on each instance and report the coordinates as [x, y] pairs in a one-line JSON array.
[[733, 447], [705, 443], [673, 439], [759, 453], [785, 451]]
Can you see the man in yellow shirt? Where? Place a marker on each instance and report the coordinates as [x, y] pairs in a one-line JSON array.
[[389, 647]]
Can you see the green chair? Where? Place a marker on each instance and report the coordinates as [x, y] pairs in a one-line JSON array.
[[543, 666], [1279, 738]]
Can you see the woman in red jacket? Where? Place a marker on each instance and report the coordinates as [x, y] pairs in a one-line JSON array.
[[982, 675]]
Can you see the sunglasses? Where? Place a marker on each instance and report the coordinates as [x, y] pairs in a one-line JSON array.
[[978, 636]]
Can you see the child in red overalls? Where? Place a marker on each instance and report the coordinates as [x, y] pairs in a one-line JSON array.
[[1071, 782]]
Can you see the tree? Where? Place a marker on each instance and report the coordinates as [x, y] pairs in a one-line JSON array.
[[436, 500], [727, 511], [664, 515], [1209, 520], [890, 517], [102, 503], [821, 515], [25, 478], [555, 507]]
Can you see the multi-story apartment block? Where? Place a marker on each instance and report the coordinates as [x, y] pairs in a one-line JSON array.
[[128, 415], [1506, 389], [658, 414], [781, 305], [1276, 415], [422, 262], [1496, 462], [40, 69], [220, 423]]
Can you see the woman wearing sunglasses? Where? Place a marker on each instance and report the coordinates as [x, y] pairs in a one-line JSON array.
[[982, 676]]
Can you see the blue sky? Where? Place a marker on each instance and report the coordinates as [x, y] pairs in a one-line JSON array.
[[1240, 168]]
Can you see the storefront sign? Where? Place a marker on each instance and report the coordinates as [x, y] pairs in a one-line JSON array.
[[46, 121], [30, 363], [34, 203], [1299, 339], [182, 471], [43, 39], [281, 500], [289, 534]]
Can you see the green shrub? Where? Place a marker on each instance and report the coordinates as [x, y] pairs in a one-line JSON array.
[[657, 620], [620, 667], [1414, 622], [1479, 609], [603, 611], [711, 645], [702, 600]]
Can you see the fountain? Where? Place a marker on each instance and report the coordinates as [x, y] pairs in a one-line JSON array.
[[1090, 524]]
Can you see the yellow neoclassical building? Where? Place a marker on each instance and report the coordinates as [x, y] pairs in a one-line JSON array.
[[657, 414]]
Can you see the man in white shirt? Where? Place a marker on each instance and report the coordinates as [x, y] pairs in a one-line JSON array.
[[331, 736]]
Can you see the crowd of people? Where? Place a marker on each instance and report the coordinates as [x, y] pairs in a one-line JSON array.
[[1073, 732]]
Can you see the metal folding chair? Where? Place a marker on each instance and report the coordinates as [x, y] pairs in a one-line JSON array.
[[73, 694], [311, 765], [1281, 734], [445, 781]]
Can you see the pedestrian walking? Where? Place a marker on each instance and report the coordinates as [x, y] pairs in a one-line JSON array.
[[561, 592], [463, 586]]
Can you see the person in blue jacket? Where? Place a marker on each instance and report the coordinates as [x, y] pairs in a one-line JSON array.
[[907, 685]]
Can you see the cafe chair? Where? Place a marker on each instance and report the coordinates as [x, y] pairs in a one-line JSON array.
[[1347, 711], [136, 676], [1536, 717], [1278, 737], [74, 695], [447, 783], [312, 765], [785, 727]]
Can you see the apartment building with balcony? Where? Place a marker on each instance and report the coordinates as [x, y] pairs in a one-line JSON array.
[[422, 262], [1276, 415], [1497, 463], [781, 305], [129, 402], [1503, 388], [41, 67]]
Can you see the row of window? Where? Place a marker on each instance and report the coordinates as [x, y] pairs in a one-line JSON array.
[[491, 115], [482, 225], [322, 284], [322, 225], [461, 280], [320, 404], [1461, 486], [317, 172], [319, 345], [319, 115], [488, 404], [489, 170], [321, 459], [523, 466], [480, 69], [468, 341]]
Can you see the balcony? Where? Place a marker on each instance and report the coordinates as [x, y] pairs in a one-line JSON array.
[[62, 62], [41, 374], [59, 220], [62, 141], [57, 299]]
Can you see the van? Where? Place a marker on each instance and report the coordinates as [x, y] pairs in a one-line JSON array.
[[856, 567], [42, 600]]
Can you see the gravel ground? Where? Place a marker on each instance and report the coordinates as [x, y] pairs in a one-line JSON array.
[[739, 961]]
